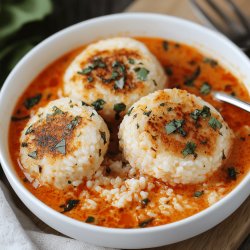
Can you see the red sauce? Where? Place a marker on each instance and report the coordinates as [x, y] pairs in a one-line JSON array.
[[180, 61]]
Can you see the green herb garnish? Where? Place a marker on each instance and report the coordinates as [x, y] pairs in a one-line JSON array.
[[131, 61], [141, 73], [145, 222], [189, 149], [85, 71], [214, 123], [165, 45], [205, 88], [98, 104], [33, 154], [190, 80], [176, 126], [74, 123], [24, 144], [29, 130], [90, 219], [169, 71], [57, 111], [204, 113], [213, 63], [61, 147], [90, 79], [70, 204], [130, 110], [32, 101], [84, 103], [145, 202], [147, 113], [103, 136], [119, 84], [198, 193], [119, 107], [232, 173]]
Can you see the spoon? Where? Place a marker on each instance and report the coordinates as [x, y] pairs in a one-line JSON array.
[[232, 100]]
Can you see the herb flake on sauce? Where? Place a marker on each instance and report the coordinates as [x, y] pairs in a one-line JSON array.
[[232, 173], [90, 219], [205, 88], [21, 118], [98, 104], [198, 193], [190, 80], [32, 101], [70, 204], [145, 222]]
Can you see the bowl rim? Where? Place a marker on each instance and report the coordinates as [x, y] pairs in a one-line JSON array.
[[65, 219]]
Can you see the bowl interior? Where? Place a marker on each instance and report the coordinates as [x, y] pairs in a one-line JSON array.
[[208, 42]]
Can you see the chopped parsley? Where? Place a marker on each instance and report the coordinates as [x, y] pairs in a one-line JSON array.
[[84, 103], [198, 193], [70, 204], [205, 89], [232, 173], [119, 84], [165, 45], [24, 144], [98, 104], [103, 136], [190, 80], [90, 79], [141, 73], [213, 63], [169, 71], [90, 219], [176, 126], [130, 110], [147, 113], [33, 154], [29, 130], [61, 147], [85, 71], [155, 83], [204, 113], [214, 123], [145, 202], [131, 61], [74, 123], [189, 149], [56, 111], [145, 222], [119, 107], [32, 101]]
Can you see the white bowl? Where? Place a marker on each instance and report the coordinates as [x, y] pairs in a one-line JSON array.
[[207, 41]]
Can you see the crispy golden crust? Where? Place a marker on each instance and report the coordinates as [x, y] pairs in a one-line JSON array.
[[51, 131], [103, 75], [198, 131]]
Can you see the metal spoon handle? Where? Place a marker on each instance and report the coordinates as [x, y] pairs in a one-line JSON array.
[[232, 100]]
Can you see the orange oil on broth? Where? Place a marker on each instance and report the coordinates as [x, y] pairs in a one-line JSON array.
[[180, 62]]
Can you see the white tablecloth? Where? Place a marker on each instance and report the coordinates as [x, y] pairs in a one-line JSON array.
[[18, 232]]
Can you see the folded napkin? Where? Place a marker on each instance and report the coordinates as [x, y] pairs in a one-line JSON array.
[[18, 231]]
